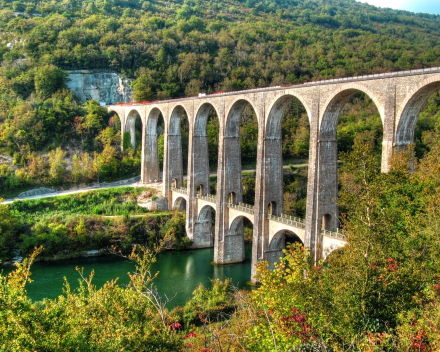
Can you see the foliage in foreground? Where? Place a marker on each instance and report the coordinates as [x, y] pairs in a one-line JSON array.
[[111, 318], [381, 292]]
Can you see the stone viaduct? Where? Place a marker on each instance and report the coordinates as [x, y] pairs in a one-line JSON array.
[[398, 96]]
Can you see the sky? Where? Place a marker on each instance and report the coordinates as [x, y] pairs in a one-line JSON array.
[[427, 6]]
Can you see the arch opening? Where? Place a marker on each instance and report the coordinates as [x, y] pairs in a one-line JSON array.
[[178, 135], [287, 143], [179, 204], [153, 147], [351, 132], [240, 151], [418, 120], [132, 137], [205, 146], [240, 233], [282, 239], [326, 222], [201, 190], [278, 243], [232, 198], [272, 208], [204, 227]]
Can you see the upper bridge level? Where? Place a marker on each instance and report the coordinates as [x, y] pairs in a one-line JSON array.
[[398, 97]]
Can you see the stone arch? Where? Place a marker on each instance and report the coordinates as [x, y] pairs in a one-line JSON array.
[[175, 167], [204, 211], [276, 246], [411, 107], [232, 149], [273, 149], [130, 125], [233, 116], [234, 240], [121, 126], [175, 119], [234, 221], [334, 104], [200, 147], [179, 204], [151, 150], [204, 227], [278, 240], [278, 106], [201, 118], [118, 114], [328, 149]]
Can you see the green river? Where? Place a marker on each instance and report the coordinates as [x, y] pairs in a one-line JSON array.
[[179, 273]]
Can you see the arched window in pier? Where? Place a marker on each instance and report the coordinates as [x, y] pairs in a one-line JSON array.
[[326, 222], [272, 209]]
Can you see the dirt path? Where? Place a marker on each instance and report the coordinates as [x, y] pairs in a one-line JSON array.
[[84, 189]]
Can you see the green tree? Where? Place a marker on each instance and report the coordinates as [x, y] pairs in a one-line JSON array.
[[7, 232], [48, 79], [57, 165]]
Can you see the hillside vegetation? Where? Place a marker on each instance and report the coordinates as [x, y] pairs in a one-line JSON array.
[[173, 49]]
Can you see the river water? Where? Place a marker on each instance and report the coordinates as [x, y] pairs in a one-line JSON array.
[[179, 273]]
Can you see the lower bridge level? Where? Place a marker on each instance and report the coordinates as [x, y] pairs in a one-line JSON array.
[[229, 245]]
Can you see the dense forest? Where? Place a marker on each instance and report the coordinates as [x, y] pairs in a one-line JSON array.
[[173, 49]]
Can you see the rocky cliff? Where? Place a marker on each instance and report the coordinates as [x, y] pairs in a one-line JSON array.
[[105, 87]]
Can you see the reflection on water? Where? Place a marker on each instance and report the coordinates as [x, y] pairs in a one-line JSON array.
[[179, 273]]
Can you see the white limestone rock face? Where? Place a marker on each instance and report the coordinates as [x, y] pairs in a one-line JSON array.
[[105, 87]]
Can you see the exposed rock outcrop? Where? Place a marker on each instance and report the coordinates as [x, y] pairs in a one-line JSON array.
[[105, 87]]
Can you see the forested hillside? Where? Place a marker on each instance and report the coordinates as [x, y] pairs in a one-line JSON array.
[[172, 49]]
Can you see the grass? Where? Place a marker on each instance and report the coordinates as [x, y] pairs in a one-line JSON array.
[[108, 202]]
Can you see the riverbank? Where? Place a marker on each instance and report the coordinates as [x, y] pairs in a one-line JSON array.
[[69, 225]]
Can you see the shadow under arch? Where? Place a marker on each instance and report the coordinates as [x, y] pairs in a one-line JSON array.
[[273, 151], [201, 148], [204, 227], [151, 148], [412, 107], [179, 204], [278, 243], [234, 240], [133, 124], [175, 148]]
